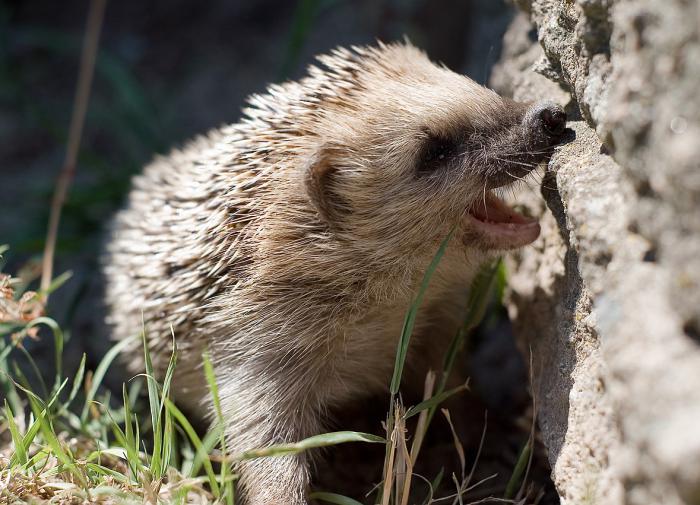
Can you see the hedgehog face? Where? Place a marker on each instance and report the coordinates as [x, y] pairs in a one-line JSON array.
[[484, 154], [413, 150]]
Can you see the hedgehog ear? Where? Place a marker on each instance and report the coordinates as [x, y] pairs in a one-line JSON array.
[[320, 171]]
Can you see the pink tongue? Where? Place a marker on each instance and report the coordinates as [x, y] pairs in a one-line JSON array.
[[496, 226], [492, 209]]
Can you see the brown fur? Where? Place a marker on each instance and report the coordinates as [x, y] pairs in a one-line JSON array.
[[291, 243]]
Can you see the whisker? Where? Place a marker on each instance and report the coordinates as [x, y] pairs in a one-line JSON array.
[[522, 163], [523, 153], [517, 178], [529, 165]]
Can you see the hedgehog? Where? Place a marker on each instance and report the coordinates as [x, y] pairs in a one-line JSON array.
[[289, 245]]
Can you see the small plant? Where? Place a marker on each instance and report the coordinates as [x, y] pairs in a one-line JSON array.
[[399, 461], [99, 452]]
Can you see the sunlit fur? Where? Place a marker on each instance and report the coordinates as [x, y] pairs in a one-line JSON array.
[[291, 243]]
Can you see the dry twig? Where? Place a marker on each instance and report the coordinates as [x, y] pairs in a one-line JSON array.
[[82, 96]]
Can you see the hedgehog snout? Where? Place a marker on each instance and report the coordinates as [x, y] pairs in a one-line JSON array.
[[546, 120]]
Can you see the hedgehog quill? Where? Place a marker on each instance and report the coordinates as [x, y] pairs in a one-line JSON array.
[[291, 243]]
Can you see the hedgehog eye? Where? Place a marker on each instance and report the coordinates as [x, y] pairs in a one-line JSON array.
[[436, 152]]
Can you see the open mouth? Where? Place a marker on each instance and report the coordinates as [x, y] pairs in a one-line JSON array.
[[494, 225]]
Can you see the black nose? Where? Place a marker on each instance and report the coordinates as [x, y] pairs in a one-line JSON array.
[[551, 118], [553, 121], [546, 120]]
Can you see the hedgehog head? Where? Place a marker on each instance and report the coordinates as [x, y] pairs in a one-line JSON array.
[[398, 150]]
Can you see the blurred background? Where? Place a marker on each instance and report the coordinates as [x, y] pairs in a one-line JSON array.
[[167, 70]]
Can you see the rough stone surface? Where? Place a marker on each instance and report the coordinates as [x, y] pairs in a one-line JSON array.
[[550, 304], [633, 67], [608, 299]]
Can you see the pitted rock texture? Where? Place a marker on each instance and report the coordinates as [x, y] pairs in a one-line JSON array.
[[633, 67], [550, 304], [608, 300]]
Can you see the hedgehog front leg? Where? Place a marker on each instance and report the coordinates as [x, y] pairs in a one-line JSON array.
[[281, 480], [262, 410]]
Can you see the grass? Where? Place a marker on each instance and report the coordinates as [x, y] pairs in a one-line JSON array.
[[77, 442]]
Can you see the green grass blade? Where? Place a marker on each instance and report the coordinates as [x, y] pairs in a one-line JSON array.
[[35, 370], [58, 346], [36, 459], [197, 442], [169, 440], [302, 22], [404, 341], [324, 440], [119, 477], [477, 302], [6, 349], [433, 486], [154, 405], [99, 374], [118, 452], [131, 444], [434, 401], [20, 448], [410, 319], [32, 396], [501, 281], [338, 499], [214, 390], [213, 385], [132, 450], [29, 436], [58, 341], [208, 443], [135, 391], [77, 382], [137, 438], [57, 282], [49, 436], [6, 384], [169, 444], [519, 470]]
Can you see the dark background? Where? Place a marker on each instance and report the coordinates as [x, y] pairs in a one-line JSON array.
[[167, 70]]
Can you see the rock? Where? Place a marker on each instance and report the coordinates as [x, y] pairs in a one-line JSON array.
[[608, 299], [550, 304], [512, 76]]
